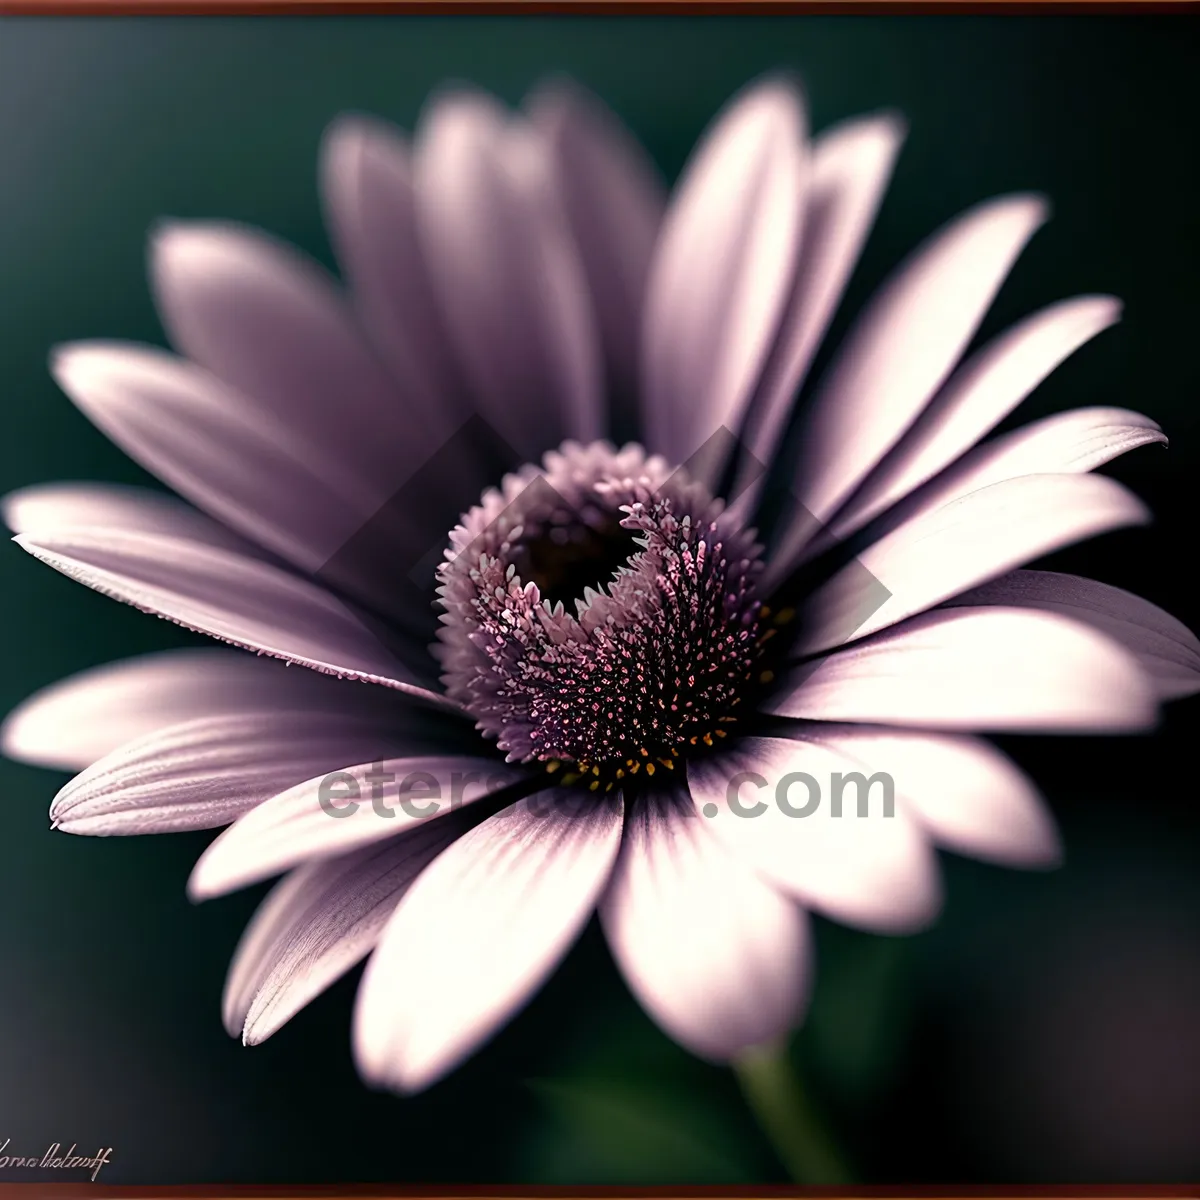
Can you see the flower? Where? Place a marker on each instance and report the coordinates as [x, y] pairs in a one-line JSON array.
[[631, 639]]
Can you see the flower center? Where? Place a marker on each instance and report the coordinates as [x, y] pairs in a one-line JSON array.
[[601, 616]]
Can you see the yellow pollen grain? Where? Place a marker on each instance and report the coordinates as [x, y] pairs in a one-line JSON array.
[[552, 766], [708, 739], [649, 768], [594, 785], [570, 778], [620, 772], [784, 616], [766, 677]]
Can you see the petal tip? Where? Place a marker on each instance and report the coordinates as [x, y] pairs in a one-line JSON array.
[[460, 107], [894, 121], [350, 133], [181, 250], [168, 234], [1026, 212], [99, 374], [887, 128], [199, 886], [1110, 309], [71, 364], [1035, 206], [14, 732]]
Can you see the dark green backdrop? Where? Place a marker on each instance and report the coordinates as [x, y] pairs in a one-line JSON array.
[[1046, 1029]]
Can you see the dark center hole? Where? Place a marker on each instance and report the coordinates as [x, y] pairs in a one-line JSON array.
[[567, 557]]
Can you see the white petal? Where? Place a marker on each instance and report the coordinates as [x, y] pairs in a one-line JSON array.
[[974, 538], [367, 185], [614, 202], [506, 274], [242, 600], [72, 723], [851, 166], [316, 924], [900, 351], [867, 866], [477, 934], [723, 269], [1165, 647], [968, 796], [977, 668], [341, 811], [214, 447], [1073, 442], [980, 394], [271, 324], [719, 958], [208, 771], [53, 507], [77, 720]]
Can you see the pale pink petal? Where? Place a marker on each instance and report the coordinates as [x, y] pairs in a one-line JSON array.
[[272, 325], [214, 447], [723, 269], [947, 550], [54, 507], [239, 599], [899, 353], [316, 924], [1073, 442], [614, 202], [867, 866], [506, 273], [851, 166], [719, 958], [74, 722], [367, 186], [980, 394], [977, 668], [1166, 648], [478, 933], [341, 811], [208, 771], [966, 794]]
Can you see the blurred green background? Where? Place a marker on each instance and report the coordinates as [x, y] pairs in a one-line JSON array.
[[1045, 1030]]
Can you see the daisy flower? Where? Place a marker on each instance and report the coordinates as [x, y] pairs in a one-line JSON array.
[[508, 668]]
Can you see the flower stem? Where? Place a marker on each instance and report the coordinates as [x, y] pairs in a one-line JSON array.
[[785, 1113]]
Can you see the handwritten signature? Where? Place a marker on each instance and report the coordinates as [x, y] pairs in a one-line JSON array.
[[53, 1159]]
